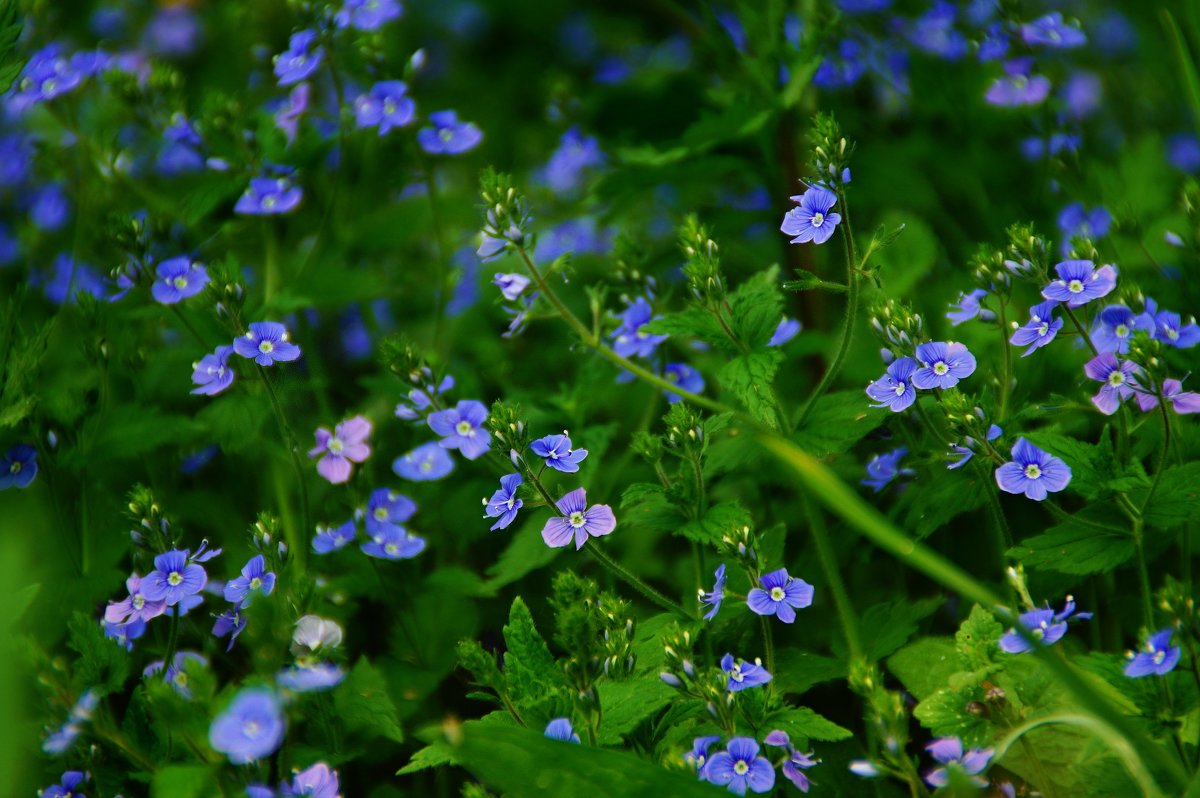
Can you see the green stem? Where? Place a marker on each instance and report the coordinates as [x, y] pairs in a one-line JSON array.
[[1143, 575], [271, 256], [768, 643], [296, 539], [172, 640], [440, 275], [1001, 536], [851, 316], [637, 584], [1166, 448], [1006, 385], [833, 576]]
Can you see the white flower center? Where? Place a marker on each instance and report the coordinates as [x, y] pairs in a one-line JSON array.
[[251, 729], [381, 514], [736, 673], [266, 347], [336, 445], [1075, 286], [900, 388], [391, 548], [427, 465], [139, 601], [15, 468], [1116, 378], [174, 579], [464, 428], [1043, 328], [1121, 330], [268, 202], [255, 583], [940, 368], [818, 219], [1159, 656], [576, 519], [741, 767], [1033, 471], [389, 107], [180, 282], [777, 594], [1172, 334]]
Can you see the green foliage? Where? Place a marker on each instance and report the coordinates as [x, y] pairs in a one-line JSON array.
[[364, 704], [837, 422], [750, 378], [10, 32], [1074, 547], [103, 666]]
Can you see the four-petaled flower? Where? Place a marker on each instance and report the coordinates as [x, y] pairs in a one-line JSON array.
[[18, 466], [231, 622], [265, 343], [1051, 31], [448, 136], [250, 728], [269, 196], [511, 285], [561, 729], [942, 365], [1182, 401], [136, 607], [427, 462], [1079, 282], [255, 578], [367, 15], [1117, 378], [1032, 472], [212, 374], [812, 221], [504, 503], [796, 763], [895, 389], [174, 578], [687, 378], [1158, 658], [1170, 329], [300, 59], [340, 448], [577, 521], [1039, 330], [780, 595], [742, 674], [1113, 327], [558, 454], [177, 279], [714, 598], [1045, 625], [386, 106], [309, 677], [968, 307], [883, 468], [461, 427], [739, 767], [67, 786], [330, 539], [631, 338], [385, 507], [393, 543], [1017, 86], [317, 781], [949, 752]]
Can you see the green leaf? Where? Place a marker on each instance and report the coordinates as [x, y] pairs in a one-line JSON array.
[[749, 377], [940, 495], [802, 722], [888, 626], [908, 258], [807, 281], [523, 763], [756, 307], [692, 322], [946, 714], [364, 704], [103, 665], [625, 704], [533, 676], [796, 671], [925, 666], [1075, 548], [1175, 499], [11, 23], [978, 639], [718, 521], [837, 422], [526, 552], [431, 756], [182, 781]]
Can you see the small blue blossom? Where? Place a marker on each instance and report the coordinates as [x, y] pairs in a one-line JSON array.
[[266, 342], [386, 106], [1169, 328], [300, 60], [393, 543], [123, 634], [67, 787], [176, 674], [269, 196], [420, 399], [50, 209], [942, 365], [511, 285], [386, 507], [1159, 657], [136, 606], [561, 729], [230, 622], [426, 463], [255, 578], [948, 751], [687, 378], [934, 32], [448, 136], [780, 595], [318, 781], [883, 468], [1033, 472], [177, 279], [564, 173], [330, 539], [796, 763], [1018, 87], [630, 338], [1039, 330], [1045, 625], [577, 521], [1117, 377], [461, 427], [520, 316], [1075, 220], [785, 331], [504, 503], [966, 451], [250, 729], [698, 756], [367, 15], [18, 466], [739, 767], [212, 373], [1079, 282], [1050, 31], [713, 598], [557, 452], [310, 677], [895, 389], [175, 576], [968, 307], [743, 675], [812, 221], [287, 118]]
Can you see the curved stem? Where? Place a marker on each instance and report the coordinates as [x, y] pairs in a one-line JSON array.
[[851, 316], [1143, 575], [172, 640]]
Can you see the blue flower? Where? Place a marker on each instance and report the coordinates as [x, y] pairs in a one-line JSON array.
[[967, 451], [136, 606], [123, 634], [883, 468], [386, 106], [942, 365], [739, 767], [576, 154], [265, 343], [687, 378], [427, 462], [330, 539], [212, 374], [67, 786], [448, 136], [949, 752], [269, 196], [934, 32], [317, 781], [631, 338], [1032, 472], [577, 520], [18, 467], [393, 543], [462, 428], [1045, 625], [714, 598], [231, 622], [287, 118], [561, 729], [250, 728], [1051, 31], [176, 674], [310, 677], [255, 578], [784, 332], [386, 507], [504, 503], [1079, 282], [1018, 87], [1114, 326], [1039, 330], [780, 595], [968, 307], [1158, 658], [50, 209], [742, 674], [1075, 220], [796, 763], [895, 389], [420, 399], [558, 454], [1118, 378], [520, 316], [174, 577], [367, 15], [300, 59], [1169, 329], [698, 756], [511, 285], [812, 221]]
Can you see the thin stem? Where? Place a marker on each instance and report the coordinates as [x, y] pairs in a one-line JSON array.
[[1143, 575], [637, 584], [440, 275], [1001, 536], [1166, 448], [829, 567], [1006, 385], [271, 257], [851, 316], [172, 640], [296, 540], [768, 643]]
